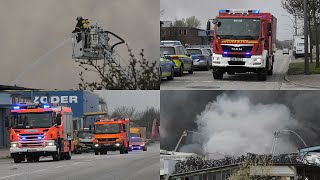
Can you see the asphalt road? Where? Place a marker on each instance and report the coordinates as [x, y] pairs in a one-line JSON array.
[[137, 165], [203, 80]]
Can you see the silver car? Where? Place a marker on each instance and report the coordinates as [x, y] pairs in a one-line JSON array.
[[201, 58]]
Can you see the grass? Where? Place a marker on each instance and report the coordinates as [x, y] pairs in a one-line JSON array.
[[298, 68]]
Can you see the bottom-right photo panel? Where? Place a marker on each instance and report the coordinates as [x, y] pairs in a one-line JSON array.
[[240, 135]]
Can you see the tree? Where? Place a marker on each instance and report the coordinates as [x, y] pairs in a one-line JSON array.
[[124, 112], [179, 23], [189, 22], [146, 117], [193, 22], [295, 7], [140, 74]]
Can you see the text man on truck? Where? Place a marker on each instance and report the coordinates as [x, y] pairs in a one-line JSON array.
[[40, 130], [244, 41], [110, 135]]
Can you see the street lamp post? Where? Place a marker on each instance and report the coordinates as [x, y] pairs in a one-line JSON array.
[[306, 52], [276, 135]]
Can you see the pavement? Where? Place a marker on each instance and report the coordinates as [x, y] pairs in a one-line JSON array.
[[203, 80], [309, 81], [4, 153], [142, 165]]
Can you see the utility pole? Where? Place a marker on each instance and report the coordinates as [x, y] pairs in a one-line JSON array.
[[306, 52], [295, 24]]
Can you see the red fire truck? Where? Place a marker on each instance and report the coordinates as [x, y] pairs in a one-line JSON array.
[[244, 41], [40, 130]]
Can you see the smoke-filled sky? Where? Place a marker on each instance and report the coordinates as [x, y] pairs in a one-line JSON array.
[[32, 28], [237, 122], [208, 9]]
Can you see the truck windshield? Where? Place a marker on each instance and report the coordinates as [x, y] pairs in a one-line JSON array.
[[238, 29], [85, 135], [107, 128], [31, 120]]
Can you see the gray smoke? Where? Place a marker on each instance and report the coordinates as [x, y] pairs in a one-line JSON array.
[[273, 110], [32, 28]]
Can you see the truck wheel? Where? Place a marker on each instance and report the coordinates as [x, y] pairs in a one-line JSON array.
[[262, 76], [217, 74], [191, 70], [145, 149], [36, 158], [17, 160], [96, 152], [67, 155], [56, 156], [126, 151], [122, 150], [30, 158]]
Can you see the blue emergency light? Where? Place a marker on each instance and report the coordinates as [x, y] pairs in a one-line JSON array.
[[23, 138], [253, 11], [46, 106], [16, 107], [247, 53], [225, 52]]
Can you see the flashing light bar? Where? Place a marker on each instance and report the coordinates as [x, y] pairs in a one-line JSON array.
[[16, 107], [243, 11], [46, 106], [247, 53], [225, 52], [30, 106]]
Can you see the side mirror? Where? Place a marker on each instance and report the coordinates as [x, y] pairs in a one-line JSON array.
[[58, 119], [208, 26], [214, 21], [188, 54], [219, 24]]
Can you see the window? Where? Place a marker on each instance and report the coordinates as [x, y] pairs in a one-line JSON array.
[[180, 32], [171, 33], [185, 32]]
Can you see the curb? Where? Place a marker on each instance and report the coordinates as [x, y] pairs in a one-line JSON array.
[[299, 84]]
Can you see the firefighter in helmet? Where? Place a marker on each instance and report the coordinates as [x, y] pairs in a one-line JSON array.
[[78, 28], [86, 29]]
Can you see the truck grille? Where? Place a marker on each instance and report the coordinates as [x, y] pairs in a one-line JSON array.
[[31, 140], [227, 48], [106, 139], [236, 62]]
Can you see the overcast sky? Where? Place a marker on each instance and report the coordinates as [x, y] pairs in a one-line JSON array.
[[207, 9], [32, 28], [140, 100]]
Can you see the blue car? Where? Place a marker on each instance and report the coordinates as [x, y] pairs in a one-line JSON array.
[[166, 68], [201, 58]]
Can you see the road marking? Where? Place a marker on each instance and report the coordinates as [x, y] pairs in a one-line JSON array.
[[38, 171], [77, 163], [10, 176], [60, 166]]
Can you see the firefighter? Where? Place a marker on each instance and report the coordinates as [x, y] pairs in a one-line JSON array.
[[86, 29], [78, 28]]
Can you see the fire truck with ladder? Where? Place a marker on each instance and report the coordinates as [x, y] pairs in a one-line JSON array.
[[110, 135], [244, 41], [40, 130]]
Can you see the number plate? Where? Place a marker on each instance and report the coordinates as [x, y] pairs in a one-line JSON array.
[[31, 150], [236, 59]]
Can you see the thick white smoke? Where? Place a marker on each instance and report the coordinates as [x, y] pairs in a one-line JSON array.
[[235, 126]]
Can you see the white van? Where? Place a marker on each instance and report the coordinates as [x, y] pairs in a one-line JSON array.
[[298, 46]]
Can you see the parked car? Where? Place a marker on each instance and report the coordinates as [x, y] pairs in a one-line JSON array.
[[166, 68], [137, 143], [179, 55], [285, 51], [201, 58]]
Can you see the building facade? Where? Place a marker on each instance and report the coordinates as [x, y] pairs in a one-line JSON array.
[[187, 35]]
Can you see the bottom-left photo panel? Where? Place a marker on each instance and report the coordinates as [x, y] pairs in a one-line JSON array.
[[75, 134]]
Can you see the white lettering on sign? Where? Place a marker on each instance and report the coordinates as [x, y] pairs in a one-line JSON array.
[[56, 99]]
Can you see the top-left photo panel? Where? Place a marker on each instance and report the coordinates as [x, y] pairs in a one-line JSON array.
[[79, 45]]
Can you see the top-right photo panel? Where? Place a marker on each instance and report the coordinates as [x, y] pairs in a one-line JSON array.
[[239, 45]]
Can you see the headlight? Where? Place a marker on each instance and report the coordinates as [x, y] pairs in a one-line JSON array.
[[117, 144], [14, 144], [130, 145], [50, 144], [258, 60], [96, 145]]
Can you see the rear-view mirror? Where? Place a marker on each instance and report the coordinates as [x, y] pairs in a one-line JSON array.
[[208, 26]]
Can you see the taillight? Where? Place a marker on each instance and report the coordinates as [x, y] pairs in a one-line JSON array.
[[201, 57]]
